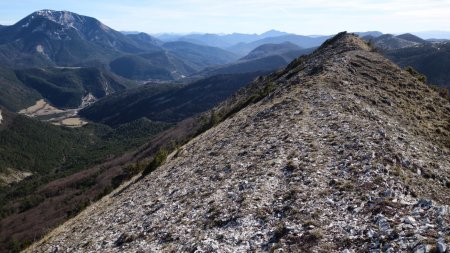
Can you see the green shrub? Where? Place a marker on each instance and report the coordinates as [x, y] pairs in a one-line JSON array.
[[268, 88], [134, 168], [416, 74], [159, 159], [443, 92], [16, 245]]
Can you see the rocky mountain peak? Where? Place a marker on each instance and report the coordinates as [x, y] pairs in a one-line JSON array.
[[54, 15], [342, 151], [68, 19], [63, 37]]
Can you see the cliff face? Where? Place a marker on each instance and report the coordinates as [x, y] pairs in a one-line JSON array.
[[348, 152]]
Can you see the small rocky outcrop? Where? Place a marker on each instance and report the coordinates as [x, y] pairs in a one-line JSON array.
[[348, 154]]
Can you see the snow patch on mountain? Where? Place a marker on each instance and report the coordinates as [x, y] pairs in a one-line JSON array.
[[1, 117], [64, 18]]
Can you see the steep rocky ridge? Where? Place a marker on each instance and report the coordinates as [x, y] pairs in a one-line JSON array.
[[346, 153]]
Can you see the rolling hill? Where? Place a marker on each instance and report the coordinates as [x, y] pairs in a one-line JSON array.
[[388, 42], [299, 40], [267, 57], [176, 61], [145, 39], [432, 60], [66, 87], [61, 87], [167, 104], [14, 95], [158, 65], [411, 37], [199, 56], [271, 49]]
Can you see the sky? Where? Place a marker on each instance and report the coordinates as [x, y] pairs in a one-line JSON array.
[[307, 17]]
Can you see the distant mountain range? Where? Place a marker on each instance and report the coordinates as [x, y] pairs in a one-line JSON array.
[[267, 57], [59, 38], [433, 35], [227, 40], [299, 40], [218, 40], [242, 44]]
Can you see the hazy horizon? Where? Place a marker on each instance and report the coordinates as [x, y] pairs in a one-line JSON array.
[[305, 17], [422, 34]]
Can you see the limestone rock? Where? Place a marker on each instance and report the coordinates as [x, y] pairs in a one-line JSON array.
[[319, 164]]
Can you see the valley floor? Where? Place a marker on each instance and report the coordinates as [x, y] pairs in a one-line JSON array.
[[44, 111]]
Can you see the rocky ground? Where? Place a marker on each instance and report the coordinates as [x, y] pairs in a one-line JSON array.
[[10, 176], [348, 154]]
